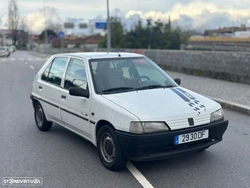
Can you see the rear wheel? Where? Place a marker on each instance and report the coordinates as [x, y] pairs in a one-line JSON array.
[[109, 149], [40, 119]]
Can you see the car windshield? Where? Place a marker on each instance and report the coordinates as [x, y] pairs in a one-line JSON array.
[[118, 75]]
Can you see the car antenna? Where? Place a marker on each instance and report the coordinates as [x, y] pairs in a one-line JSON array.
[[119, 54]]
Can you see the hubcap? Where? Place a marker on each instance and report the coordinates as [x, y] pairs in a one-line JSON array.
[[39, 116], [107, 147]]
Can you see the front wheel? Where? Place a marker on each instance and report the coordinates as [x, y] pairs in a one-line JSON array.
[[109, 149], [41, 121]]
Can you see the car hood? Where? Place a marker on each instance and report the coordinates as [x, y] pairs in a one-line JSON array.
[[171, 105]]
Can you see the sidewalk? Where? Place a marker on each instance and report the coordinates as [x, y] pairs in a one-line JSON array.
[[231, 95]]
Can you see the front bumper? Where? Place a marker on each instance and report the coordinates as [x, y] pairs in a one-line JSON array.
[[161, 145]]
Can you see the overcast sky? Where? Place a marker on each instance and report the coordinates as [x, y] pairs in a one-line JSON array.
[[188, 14]]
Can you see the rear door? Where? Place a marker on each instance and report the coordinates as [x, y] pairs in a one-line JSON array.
[[75, 110], [49, 88]]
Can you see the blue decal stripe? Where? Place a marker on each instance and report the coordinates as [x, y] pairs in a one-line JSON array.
[[185, 93], [180, 95]]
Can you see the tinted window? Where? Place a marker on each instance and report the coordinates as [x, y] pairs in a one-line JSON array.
[[56, 70], [76, 75]]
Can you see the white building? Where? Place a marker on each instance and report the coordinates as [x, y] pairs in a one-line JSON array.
[[83, 27]]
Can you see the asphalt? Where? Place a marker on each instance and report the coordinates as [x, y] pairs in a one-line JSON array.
[[64, 159]]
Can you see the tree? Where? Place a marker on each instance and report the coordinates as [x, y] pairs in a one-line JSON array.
[[49, 33], [117, 35], [13, 19], [56, 27], [155, 35], [23, 25]]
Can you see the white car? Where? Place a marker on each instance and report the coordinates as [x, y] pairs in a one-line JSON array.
[[12, 48], [126, 105], [4, 52]]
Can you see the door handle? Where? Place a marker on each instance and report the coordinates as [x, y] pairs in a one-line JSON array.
[[63, 96], [40, 87]]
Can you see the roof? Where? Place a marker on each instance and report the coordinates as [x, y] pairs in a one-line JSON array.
[[92, 39], [100, 55]]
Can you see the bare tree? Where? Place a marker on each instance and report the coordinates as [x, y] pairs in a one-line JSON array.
[[23, 25], [56, 27], [13, 19]]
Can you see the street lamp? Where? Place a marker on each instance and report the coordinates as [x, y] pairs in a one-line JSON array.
[[109, 31], [45, 27]]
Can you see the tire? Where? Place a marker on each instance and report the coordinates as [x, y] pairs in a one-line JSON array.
[[40, 119], [109, 149]]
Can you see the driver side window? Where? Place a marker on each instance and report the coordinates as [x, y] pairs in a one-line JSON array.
[[76, 75]]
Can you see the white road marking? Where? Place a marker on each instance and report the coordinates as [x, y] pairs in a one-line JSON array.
[[137, 174], [23, 59], [31, 67]]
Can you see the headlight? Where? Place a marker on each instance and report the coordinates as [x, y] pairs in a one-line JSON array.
[[147, 127], [217, 115]]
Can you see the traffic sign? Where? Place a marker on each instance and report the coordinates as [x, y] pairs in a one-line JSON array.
[[61, 34], [51, 37], [100, 25]]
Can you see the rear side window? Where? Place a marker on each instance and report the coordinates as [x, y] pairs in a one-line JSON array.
[[54, 72]]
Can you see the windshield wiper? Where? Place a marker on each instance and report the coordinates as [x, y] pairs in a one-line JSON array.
[[118, 89], [154, 87]]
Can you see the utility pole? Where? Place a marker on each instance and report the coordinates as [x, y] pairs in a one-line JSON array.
[[109, 30], [45, 27]]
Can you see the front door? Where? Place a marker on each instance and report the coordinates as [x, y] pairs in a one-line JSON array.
[[75, 110]]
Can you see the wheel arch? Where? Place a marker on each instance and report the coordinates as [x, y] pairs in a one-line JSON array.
[[99, 124], [34, 102]]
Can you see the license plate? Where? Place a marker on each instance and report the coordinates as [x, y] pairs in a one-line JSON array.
[[191, 137]]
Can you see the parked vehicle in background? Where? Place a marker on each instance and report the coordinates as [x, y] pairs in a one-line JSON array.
[[12, 48], [4, 52]]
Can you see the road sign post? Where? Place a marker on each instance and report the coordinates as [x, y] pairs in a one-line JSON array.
[[61, 36]]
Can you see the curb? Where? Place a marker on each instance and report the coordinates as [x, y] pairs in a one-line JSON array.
[[233, 106]]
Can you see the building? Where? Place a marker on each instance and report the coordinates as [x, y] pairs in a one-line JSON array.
[[83, 27], [6, 38], [225, 31]]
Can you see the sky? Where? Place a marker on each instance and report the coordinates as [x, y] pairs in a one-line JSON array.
[[187, 14]]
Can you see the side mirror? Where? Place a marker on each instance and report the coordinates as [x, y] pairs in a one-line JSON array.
[[178, 81], [75, 91]]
